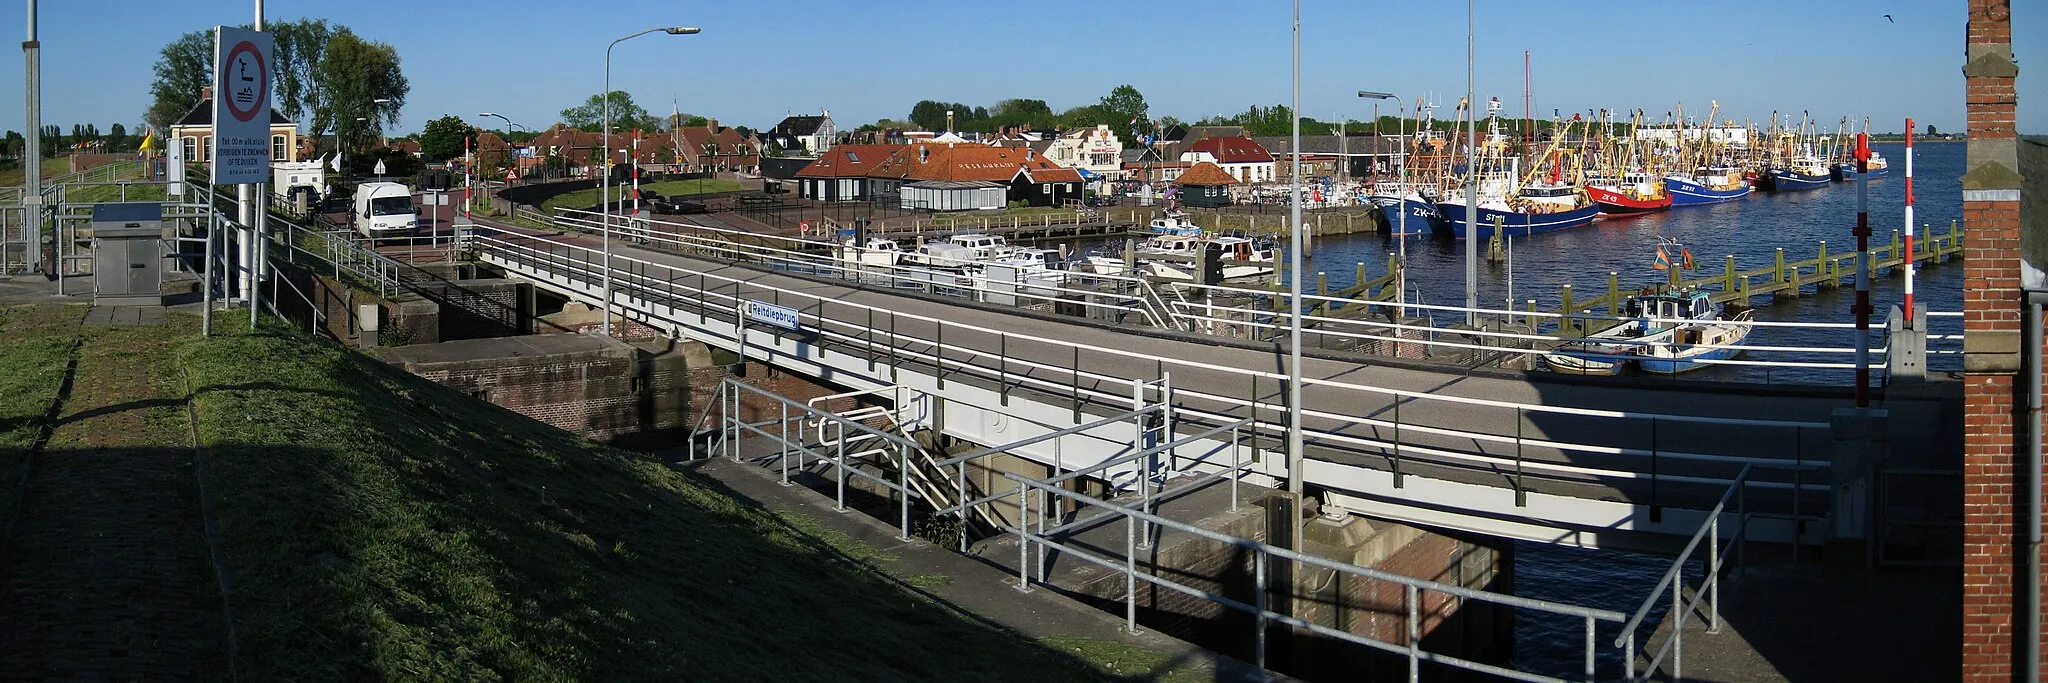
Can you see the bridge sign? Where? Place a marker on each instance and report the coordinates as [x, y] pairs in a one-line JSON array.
[[779, 316], [241, 106]]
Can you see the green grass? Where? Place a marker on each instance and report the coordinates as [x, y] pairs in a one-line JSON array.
[[112, 193], [671, 188], [35, 348], [51, 167], [378, 526]]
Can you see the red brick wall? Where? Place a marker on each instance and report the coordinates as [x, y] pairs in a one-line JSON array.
[[1994, 502]]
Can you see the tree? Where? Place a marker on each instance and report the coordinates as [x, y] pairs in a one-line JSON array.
[[1930, 130], [51, 141], [1125, 104], [117, 137], [443, 138], [355, 73], [13, 144], [626, 115], [183, 67], [929, 114], [299, 46]]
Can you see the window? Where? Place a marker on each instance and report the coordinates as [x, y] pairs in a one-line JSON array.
[[191, 145], [1046, 188], [853, 157], [206, 148], [277, 148]]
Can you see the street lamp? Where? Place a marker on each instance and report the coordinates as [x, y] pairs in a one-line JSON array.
[[510, 128], [604, 210], [1295, 479], [1471, 177], [1400, 232]]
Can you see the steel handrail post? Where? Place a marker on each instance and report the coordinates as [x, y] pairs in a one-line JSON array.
[[1397, 443], [1413, 598], [1259, 601], [1521, 493], [903, 490], [960, 499], [783, 425], [1003, 367], [1655, 513], [1714, 573], [939, 353], [1075, 385], [842, 470], [1130, 574], [1042, 500], [1236, 464], [1678, 631], [1023, 539], [1592, 638]]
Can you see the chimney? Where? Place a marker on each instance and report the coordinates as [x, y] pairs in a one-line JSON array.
[[206, 93], [711, 124]]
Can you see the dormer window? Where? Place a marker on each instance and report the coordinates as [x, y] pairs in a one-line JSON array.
[[924, 154]]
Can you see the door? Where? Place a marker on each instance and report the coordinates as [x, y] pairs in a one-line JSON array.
[[142, 265]]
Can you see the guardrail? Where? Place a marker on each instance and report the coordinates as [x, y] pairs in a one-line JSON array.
[[840, 324], [1382, 325]]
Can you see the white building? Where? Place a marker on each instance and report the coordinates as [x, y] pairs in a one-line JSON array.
[[1096, 150], [1241, 157]]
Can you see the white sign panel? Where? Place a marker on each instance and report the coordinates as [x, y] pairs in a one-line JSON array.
[[241, 106], [779, 316], [174, 166]]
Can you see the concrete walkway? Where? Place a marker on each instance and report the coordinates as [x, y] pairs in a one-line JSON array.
[[979, 589]]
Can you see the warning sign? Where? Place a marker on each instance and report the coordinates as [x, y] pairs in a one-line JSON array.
[[241, 106]]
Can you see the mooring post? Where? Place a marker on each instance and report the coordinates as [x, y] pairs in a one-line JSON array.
[[1729, 287], [1613, 293], [1779, 278], [1567, 323], [1823, 268]]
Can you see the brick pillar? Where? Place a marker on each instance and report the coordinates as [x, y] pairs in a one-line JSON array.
[[1994, 507]]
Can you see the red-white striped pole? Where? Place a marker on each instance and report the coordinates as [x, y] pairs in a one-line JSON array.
[[1862, 270], [1909, 222]]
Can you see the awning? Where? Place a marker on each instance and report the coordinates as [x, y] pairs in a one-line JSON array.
[[1086, 174]]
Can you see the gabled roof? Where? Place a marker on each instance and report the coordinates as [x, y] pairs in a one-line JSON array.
[[1205, 173], [799, 125], [1232, 150], [850, 161], [979, 162], [202, 115]]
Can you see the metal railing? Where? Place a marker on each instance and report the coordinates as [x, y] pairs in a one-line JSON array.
[[648, 287], [1380, 325], [732, 429], [1709, 592], [1048, 537]]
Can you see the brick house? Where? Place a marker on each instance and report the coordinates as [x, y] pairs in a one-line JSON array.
[[712, 147], [848, 173], [804, 135], [194, 132], [1242, 157]]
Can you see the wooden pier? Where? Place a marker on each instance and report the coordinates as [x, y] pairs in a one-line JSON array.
[[1781, 279]]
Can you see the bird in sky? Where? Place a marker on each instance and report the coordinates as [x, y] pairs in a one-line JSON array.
[[1888, 19]]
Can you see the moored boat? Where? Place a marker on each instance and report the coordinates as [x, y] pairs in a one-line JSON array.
[[1633, 192], [1674, 332], [1709, 185], [1537, 208]]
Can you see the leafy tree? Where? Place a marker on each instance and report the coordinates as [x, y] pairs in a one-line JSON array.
[[13, 144], [695, 122], [355, 73], [397, 164], [1087, 115], [117, 137], [443, 138], [300, 46], [183, 67], [51, 141], [929, 115], [626, 115], [1125, 104], [1930, 130]]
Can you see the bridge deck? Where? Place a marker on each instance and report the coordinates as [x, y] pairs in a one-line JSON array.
[[1206, 374]]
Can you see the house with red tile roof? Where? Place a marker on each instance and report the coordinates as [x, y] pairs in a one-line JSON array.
[[1242, 157], [712, 148], [848, 173], [1205, 185], [1030, 176]]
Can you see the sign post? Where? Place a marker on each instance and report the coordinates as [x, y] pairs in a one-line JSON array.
[[241, 137]]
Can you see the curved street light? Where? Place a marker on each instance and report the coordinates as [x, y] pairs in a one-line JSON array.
[[604, 209]]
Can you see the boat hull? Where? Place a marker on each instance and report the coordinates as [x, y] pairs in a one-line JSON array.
[[1848, 174], [1422, 216], [1689, 193], [1612, 203], [1786, 180], [1514, 224]]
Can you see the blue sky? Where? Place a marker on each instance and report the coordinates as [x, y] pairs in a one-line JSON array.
[[759, 60]]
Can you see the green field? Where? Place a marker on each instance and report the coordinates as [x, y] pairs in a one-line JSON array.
[[670, 188], [51, 167], [35, 351], [379, 526]]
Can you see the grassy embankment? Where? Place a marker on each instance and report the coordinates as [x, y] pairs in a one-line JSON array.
[[378, 526], [35, 351], [670, 188]]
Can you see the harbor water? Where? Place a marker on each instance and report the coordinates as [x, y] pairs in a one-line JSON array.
[[1751, 229]]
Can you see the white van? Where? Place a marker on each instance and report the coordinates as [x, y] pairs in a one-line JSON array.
[[385, 210]]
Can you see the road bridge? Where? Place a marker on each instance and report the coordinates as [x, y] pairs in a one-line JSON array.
[[1517, 455]]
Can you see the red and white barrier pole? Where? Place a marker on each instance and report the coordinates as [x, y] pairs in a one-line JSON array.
[[1862, 270], [1909, 222]]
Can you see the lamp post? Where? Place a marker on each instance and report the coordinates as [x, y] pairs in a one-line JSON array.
[[510, 128], [604, 209], [1401, 233], [1294, 266], [1471, 178]]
